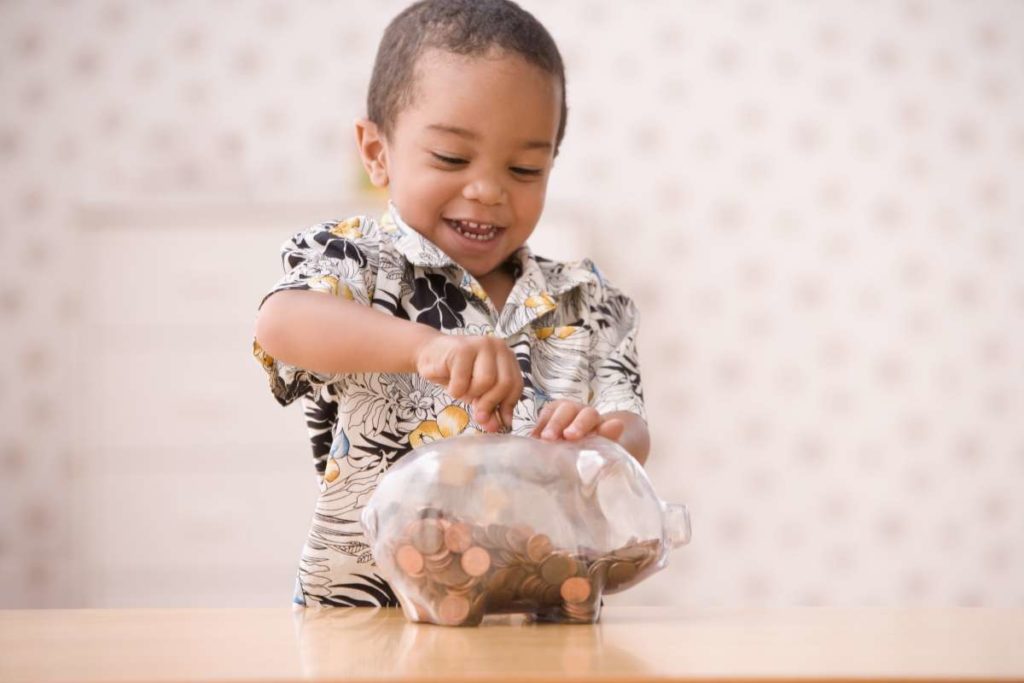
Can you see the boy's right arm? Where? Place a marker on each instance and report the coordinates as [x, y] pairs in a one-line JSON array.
[[331, 335]]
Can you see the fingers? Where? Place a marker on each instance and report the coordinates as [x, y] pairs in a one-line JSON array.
[[502, 395], [488, 422], [567, 411], [585, 422], [485, 376], [512, 396], [471, 368], [460, 374], [482, 371], [562, 417], [542, 419], [612, 429], [571, 421]]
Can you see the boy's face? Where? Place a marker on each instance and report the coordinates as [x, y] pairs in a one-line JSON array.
[[467, 162]]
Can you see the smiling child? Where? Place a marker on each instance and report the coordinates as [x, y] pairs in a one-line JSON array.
[[437, 319]]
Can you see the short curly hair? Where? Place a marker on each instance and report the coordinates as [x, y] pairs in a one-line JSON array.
[[464, 27]]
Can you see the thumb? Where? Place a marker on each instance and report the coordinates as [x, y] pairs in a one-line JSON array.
[[612, 429]]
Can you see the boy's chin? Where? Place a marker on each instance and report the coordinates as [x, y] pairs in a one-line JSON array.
[[477, 271]]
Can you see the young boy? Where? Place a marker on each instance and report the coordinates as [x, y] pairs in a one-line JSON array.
[[438, 320]]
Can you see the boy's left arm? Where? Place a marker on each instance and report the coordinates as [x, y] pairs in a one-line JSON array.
[[616, 408], [634, 438]]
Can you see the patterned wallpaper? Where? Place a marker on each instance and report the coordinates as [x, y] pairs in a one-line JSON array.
[[813, 204]]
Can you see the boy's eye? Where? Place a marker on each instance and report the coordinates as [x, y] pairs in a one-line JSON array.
[[519, 170], [451, 161]]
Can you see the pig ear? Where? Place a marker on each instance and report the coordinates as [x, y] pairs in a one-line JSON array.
[[677, 524]]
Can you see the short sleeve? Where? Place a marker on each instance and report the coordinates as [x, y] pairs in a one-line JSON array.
[[615, 365], [335, 258]]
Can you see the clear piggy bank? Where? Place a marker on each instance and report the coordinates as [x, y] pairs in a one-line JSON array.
[[490, 524]]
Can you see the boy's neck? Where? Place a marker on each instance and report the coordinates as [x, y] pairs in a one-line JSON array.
[[498, 284]]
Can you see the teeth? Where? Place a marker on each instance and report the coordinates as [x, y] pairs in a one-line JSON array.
[[462, 228]]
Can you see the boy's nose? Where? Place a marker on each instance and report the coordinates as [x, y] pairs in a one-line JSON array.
[[485, 191]]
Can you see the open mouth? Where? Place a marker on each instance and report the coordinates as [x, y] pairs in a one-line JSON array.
[[479, 232]]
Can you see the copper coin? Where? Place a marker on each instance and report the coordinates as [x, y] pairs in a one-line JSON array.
[[479, 603], [499, 579], [631, 552], [552, 595], [577, 611], [516, 575], [538, 547], [532, 587], [516, 538], [584, 611], [506, 558], [557, 568], [459, 537], [498, 599], [505, 582], [578, 615], [496, 535], [468, 586], [453, 575], [653, 552], [476, 561], [576, 589], [598, 573], [480, 535], [621, 572], [453, 609], [409, 560], [438, 563], [428, 537]]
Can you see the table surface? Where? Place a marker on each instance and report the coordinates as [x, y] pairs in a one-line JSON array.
[[629, 644]]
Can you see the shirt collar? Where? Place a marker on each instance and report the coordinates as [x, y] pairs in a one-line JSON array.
[[416, 248]]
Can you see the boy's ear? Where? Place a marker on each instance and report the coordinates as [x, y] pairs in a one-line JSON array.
[[373, 151]]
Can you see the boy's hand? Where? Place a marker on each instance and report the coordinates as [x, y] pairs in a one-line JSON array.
[[569, 420], [480, 370]]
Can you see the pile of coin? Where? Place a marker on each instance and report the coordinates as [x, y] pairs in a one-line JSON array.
[[456, 571]]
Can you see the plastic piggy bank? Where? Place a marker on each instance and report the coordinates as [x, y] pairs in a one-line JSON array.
[[489, 524]]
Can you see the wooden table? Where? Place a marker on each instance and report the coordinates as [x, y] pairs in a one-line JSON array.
[[630, 644]]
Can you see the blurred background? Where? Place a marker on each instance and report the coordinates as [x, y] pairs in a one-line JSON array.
[[816, 205]]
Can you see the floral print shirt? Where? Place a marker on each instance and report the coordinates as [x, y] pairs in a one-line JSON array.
[[573, 334]]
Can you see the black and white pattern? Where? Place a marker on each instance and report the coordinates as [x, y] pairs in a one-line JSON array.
[[573, 334]]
